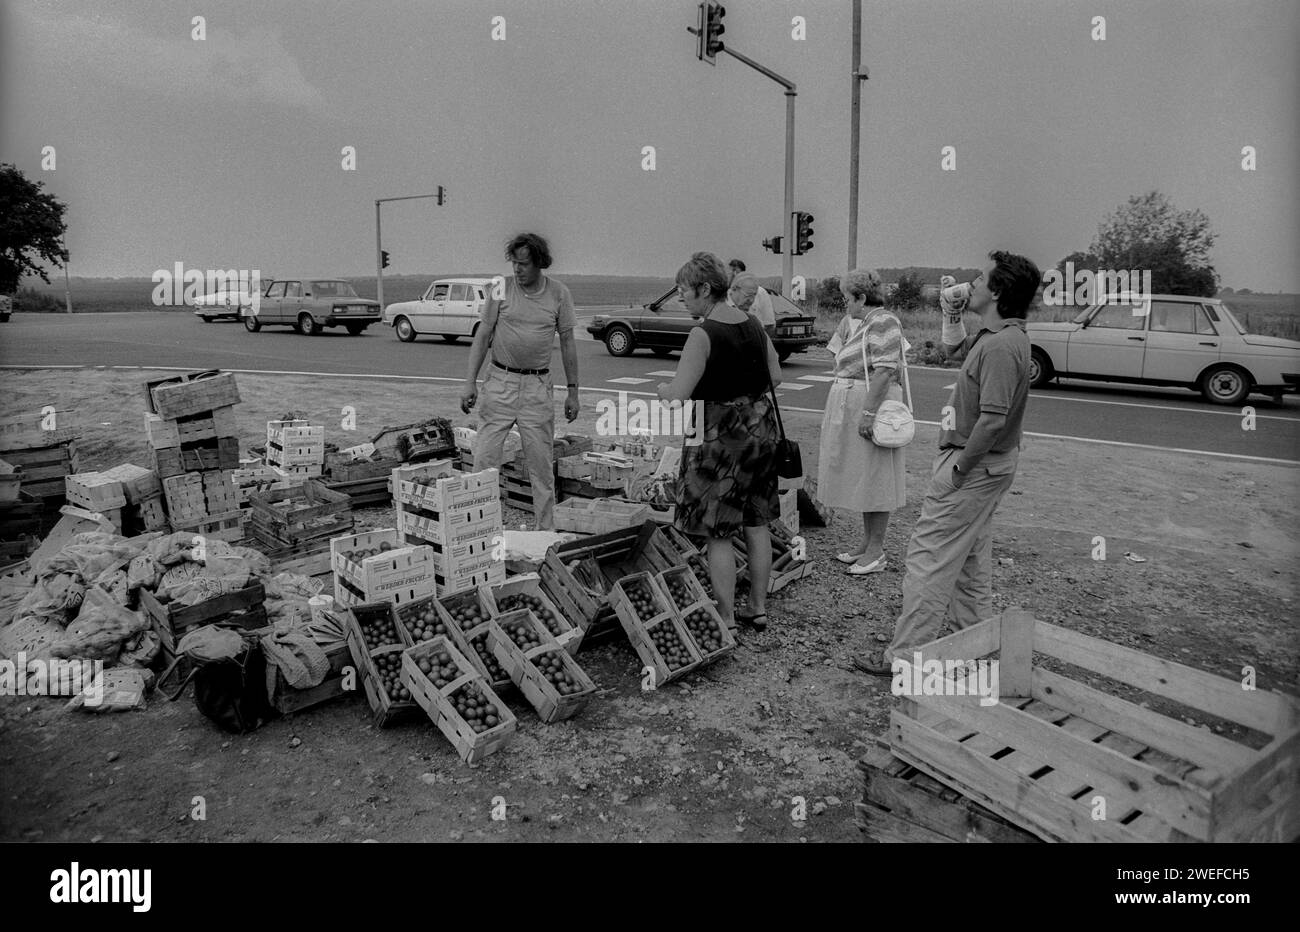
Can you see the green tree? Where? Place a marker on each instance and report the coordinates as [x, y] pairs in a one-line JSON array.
[[1148, 232], [31, 229], [827, 294], [909, 292]]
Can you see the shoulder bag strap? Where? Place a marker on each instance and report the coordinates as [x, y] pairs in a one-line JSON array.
[[771, 388], [902, 355]]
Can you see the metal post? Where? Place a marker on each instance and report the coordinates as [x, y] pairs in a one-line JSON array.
[[67, 290], [787, 256], [379, 261], [855, 135]]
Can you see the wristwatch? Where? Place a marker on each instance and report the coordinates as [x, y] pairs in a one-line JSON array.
[[956, 468], [573, 385]]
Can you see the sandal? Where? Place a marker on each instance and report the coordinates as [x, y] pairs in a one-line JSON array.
[[850, 558], [752, 621], [874, 664]]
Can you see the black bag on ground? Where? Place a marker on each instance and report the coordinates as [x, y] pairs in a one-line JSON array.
[[232, 692]]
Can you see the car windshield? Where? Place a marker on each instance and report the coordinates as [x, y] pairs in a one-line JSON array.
[[332, 290], [1227, 312]]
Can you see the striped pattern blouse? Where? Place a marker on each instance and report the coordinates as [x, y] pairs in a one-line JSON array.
[[884, 337]]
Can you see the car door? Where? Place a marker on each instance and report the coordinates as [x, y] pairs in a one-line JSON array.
[[433, 307], [269, 312], [1111, 344], [668, 327], [292, 302], [478, 301], [1181, 342], [457, 309]]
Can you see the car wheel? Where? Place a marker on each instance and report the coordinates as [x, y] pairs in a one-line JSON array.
[[252, 324], [205, 318], [619, 342], [405, 332], [1225, 385], [355, 329], [783, 355], [450, 337], [307, 325], [661, 351], [1040, 369]]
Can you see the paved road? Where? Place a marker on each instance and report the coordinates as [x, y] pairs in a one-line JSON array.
[[1168, 418]]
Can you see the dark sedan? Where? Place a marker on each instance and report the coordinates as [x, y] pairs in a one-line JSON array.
[[662, 326]]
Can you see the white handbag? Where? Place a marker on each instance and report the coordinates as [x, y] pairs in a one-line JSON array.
[[894, 425]]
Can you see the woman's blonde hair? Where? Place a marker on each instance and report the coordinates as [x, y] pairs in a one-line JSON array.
[[705, 269], [865, 283]]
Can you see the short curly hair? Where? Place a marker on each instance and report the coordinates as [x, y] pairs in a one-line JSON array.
[[704, 268], [538, 249], [865, 283], [1016, 280]]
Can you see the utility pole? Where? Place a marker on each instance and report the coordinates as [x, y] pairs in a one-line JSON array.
[[67, 287], [379, 239], [855, 133]]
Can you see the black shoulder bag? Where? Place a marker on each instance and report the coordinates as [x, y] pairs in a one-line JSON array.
[[789, 461]]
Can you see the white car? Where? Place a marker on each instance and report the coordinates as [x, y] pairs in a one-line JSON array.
[[1166, 340], [220, 304], [450, 308]]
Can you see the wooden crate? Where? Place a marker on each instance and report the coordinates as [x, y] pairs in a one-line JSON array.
[[415, 616], [551, 705], [790, 510], [599, 516], [480, 654], [436, 488], [11, 481], [146, 515], [242, 608], [221, 453], [228, 527], [639, 631], [286, 517], [399, 574], [438, 704], [286, 700], [138, 483], [361, 617], [363, 493], [166, 434], [184, 497], [192, 393], [609, 470], [342, 470], [311, 558], [697, 600], [21, 516], [295, 433], [1051, 745], [451, 528], [38, 428], [566, 632], [45, 468], [904, 805]]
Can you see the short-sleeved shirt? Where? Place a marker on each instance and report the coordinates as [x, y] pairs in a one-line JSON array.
[[762, 308], [995, 378], [883, 334], [527, 324]]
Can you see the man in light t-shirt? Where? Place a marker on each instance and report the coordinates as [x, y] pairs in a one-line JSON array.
[[519, 330], [747, 295]]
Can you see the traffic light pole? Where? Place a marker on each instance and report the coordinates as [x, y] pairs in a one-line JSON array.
[[787, 255], [379, 239]]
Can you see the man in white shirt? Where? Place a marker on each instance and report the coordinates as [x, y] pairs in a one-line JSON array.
[[747, 295]]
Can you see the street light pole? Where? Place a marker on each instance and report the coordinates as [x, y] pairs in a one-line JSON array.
[[379, 240], [855, 134]]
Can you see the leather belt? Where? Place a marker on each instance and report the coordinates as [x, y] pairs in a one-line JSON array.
[[520, 371]]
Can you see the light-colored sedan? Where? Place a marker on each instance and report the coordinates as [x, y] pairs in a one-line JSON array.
[[450, 308], [1166, 340]]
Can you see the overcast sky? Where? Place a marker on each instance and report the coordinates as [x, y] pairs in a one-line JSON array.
[[226, 153]]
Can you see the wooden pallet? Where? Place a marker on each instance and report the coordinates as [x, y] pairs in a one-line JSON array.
[[1053, 746], [437, 703], [192, 393], [551, 705], [181, 432], [904, 805]]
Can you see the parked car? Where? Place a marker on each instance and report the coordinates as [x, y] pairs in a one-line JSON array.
[[450, 308], [228, 303], [1166, 340], [309, 305], [663, 325]]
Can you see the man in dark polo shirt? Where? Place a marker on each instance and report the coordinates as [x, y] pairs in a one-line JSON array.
[[517, 334], [950, 558]]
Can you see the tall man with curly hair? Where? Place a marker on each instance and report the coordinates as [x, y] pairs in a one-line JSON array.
[[950, 557], [518, 332]]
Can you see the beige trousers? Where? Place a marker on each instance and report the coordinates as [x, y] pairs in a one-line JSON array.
[[525, 402]]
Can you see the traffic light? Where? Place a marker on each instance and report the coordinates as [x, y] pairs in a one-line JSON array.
[[442, 195], [710, 31], [803, 232], [773, 244], [383, 259]]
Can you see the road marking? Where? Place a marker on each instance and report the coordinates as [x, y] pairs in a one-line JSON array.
[[817, 411], [628, 380], [793, 386], [663, 374], [1228, 412]]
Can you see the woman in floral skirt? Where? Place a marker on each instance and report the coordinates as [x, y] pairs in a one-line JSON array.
[[728, 477]]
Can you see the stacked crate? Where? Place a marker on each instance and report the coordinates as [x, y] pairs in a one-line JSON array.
[[42, 445], [192, 433], [144, 509], [96, 492], [295, 449], [458, 515]]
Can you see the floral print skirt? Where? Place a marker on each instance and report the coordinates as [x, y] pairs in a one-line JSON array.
[[728, 480]]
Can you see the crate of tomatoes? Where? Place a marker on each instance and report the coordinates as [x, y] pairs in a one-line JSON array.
[[549, 678], [527, 591], [468, 612], [657, 634], [376, 640], [698, 613], [457, 699]]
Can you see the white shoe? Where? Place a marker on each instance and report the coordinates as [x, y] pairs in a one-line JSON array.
[[850, 558], [876, 566]]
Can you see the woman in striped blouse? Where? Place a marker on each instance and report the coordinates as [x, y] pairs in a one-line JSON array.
[[852, 472]]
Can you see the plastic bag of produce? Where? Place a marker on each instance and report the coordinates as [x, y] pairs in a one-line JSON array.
[[140, 650], [144, 572], [55, 599], [31, 636], [12, 593], [100, 629]]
